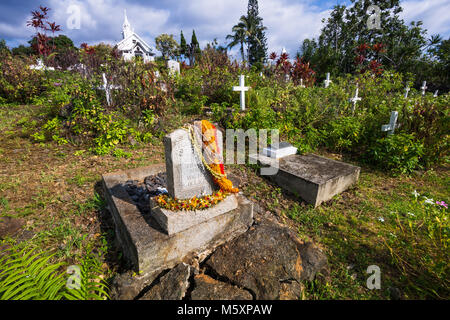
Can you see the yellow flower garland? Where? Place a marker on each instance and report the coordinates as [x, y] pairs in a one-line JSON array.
[[195, 203]]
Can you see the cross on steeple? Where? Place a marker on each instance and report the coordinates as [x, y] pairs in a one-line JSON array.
[[126, 27], [242, 89]]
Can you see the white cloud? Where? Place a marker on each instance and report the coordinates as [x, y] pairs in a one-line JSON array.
[[290, 23], [433, 13], [103, 19]]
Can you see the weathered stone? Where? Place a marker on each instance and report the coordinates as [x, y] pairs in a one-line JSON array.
[[175, 221], [186, 175], [207, 288], [171, 286], [125, 286], [269, 261], [10, 226], [315, 179], [146, 247]]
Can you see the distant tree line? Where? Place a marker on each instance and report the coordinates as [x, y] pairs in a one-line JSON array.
[[347, 45]]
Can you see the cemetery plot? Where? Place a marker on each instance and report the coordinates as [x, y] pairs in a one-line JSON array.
[[145, 244]]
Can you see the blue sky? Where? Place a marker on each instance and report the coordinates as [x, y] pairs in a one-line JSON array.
[[288, 21]]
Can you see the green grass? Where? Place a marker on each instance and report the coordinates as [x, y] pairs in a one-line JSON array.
[[378, 222]]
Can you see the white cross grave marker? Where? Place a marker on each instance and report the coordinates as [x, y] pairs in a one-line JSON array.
[[424, 87], [355, 99], [392, 123], [107, 87], [435, 93], [407, 89], [327, 81], [301, 83], [242, 89]]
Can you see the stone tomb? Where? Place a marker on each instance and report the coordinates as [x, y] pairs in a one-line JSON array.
[[163, 238], [313, 178]]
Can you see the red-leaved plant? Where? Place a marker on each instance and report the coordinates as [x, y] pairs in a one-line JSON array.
[[299, 72], [368, 58], [39, 22]]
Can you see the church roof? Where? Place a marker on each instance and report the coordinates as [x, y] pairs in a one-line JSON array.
[[127, 43]]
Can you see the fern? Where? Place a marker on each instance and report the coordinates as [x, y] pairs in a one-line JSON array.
[[27, 275], [92, 286]]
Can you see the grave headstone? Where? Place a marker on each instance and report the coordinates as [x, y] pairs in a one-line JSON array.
[[40, 66], [281, 150], [390, 128], [174, 67], [242, 88], [186, 175], [327, 81]]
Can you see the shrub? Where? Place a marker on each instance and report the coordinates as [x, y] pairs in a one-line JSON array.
[[342, 134], [398, 152], [19, 83]]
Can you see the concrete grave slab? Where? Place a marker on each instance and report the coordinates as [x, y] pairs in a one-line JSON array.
[[314, 178], [146, 246]]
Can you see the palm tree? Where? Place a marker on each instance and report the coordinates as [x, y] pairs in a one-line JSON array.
[[237, 37], [245, 30]]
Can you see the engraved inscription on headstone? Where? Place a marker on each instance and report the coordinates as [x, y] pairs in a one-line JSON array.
[[186, 175]]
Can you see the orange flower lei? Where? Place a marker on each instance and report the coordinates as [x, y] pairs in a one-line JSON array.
[[216, 168]]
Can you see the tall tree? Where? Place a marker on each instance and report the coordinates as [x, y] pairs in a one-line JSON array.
[[3, 46], [193, 49], [246, 32], [348, 28], [257, 42], [167, 45], [237, 36], [183, 45]]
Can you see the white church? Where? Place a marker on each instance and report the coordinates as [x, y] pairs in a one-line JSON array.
[[132, 45]]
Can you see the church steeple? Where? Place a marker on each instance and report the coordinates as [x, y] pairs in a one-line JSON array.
[[126, 27]]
